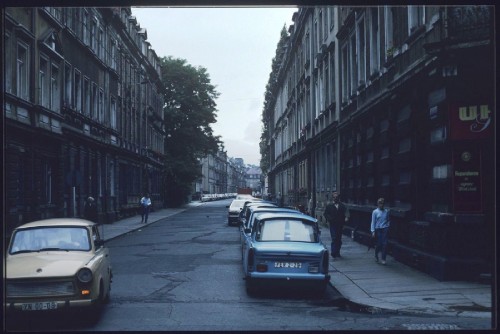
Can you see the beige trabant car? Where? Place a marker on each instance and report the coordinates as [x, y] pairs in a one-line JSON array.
[[57, 264]]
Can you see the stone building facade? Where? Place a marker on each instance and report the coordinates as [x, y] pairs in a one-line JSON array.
[[83, 113], [394, 102]]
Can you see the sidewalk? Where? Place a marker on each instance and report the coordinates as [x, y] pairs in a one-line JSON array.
[[393, 287], [398, 287]]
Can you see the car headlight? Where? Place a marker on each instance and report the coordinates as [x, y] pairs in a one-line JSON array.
[[84, 275]]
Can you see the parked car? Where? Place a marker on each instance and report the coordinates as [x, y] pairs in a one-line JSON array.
[[234, 210], [285, 248], [254, 211], [57, 264], [245, 211]]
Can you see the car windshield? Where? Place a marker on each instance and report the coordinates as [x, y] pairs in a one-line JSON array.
[[67, 238], [286, 230]]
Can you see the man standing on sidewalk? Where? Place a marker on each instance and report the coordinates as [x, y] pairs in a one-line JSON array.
[[380, 228], [336, 214], [145, 205]]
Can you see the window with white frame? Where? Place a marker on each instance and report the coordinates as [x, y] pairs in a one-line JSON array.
[[85, 27], [68, 84], [95, 102], [101, 106], [93, 35], [345, 73], [55, 88], [374, 40], [113, 113], [101, 44], [388, 33], [78, 91], [86, 96], [352, 64], [43, 82], [22, 71], [361, 48]]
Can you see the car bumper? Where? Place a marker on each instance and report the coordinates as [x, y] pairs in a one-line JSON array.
[[232, 220], [60, 305], [288, 277]]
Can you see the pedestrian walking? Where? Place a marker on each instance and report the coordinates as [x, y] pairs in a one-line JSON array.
[[145, 206], [310, 209], [90, 209], [379, 228], [336, 214]]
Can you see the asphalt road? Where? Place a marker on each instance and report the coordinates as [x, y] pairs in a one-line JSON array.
[[184, 273]]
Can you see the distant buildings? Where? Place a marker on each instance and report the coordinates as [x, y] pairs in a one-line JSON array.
[[394, 102]]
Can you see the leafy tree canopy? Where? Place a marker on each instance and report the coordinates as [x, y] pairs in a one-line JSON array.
[[190, 109]]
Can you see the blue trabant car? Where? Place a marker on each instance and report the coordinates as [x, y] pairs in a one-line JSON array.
[[285, 248]]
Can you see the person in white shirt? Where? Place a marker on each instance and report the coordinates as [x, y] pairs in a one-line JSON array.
[[145, 206], [379, 228]]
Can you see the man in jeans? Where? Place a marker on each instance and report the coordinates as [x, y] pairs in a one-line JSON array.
[[379, 228]]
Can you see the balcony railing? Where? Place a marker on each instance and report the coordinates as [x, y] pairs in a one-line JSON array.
[[469, 23]]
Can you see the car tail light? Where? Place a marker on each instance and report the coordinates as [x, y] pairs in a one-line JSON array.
[[262, 268], [326, 261], [251, 259], [314, 268]]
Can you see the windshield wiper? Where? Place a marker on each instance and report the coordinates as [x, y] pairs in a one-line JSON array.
[[52, 249], [24, 251]]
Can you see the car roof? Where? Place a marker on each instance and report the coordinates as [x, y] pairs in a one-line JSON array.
[[238, 202], [257, 209], [292, 215], [57, 222]]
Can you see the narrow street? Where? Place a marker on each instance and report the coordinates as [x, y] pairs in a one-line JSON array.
[[184, 273]]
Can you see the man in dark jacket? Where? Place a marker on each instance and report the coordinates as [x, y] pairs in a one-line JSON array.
[[90, 210], [336, 214]]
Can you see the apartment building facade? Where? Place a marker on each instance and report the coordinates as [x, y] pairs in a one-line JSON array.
[[394, 102], [83, 113]]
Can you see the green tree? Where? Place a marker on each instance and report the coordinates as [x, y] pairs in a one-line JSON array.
[[270, 100], [190, 109]]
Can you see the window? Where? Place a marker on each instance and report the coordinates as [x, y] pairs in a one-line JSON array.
[[8, 63], [68, 80], [389, 37], [404, 145], [441, 172], [385, 152], [438, 135], [404, 114], [43, 85], [374, 40], [101, 106], [416, 18], [55, 89], [353, 54], [404, 177], [85, 27], [369, 156], [95, 102], [385, 180], [22, 70], [361, 56], [78, 91], [286, 230], [384, 125], [86, 97], [113, 113]]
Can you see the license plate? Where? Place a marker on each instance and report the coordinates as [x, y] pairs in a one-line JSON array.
[[39, 306], [291, 265]]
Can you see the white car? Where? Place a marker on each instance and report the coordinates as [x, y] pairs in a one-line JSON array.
[[57, 264]]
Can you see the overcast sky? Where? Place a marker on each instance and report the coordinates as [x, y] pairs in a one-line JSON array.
[[236, 46]]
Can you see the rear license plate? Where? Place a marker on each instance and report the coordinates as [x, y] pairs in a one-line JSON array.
[[291, 265], [39, 306]]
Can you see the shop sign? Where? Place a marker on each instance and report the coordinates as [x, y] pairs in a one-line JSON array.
[[467, 195], [471, 122]]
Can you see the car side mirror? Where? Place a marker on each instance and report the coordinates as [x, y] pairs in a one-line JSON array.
[[227, 206], [99, 243], [248, 230]]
